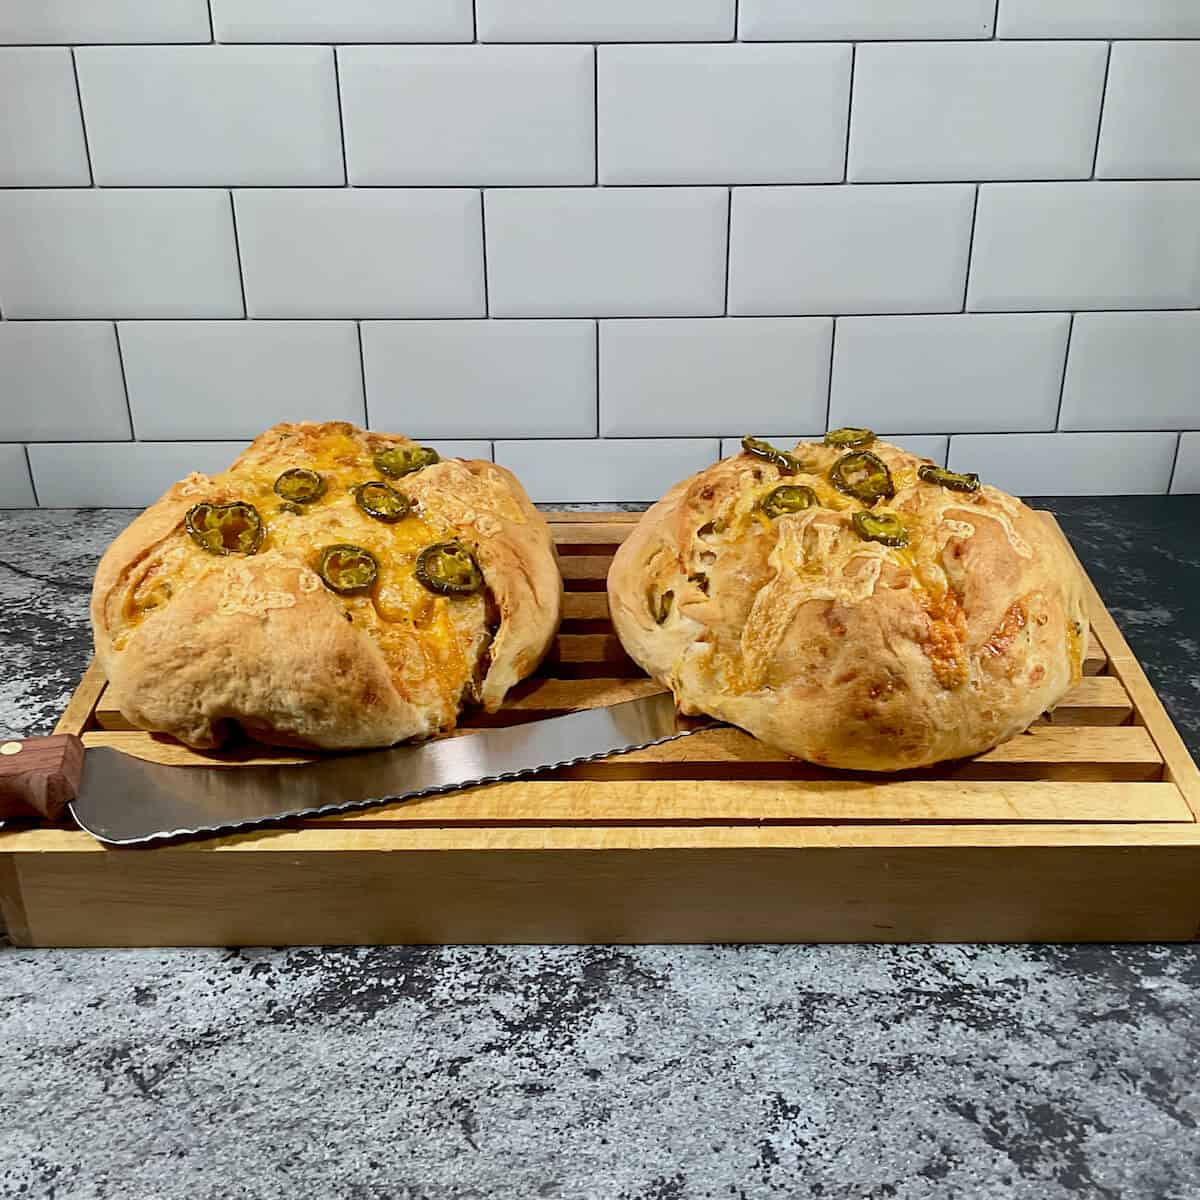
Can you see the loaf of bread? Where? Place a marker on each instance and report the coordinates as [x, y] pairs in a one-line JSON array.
[[851, 604], [334, 588]]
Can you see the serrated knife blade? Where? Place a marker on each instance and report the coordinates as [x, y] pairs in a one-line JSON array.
[[125, 801]]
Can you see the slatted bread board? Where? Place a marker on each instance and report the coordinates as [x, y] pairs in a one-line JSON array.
[[1082, 828]]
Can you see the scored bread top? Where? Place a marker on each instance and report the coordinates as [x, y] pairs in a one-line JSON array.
[[192, 640], [843, 650]]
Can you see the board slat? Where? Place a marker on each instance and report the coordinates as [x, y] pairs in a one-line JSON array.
[[1119, 753], [771, 801], [1095, 700]]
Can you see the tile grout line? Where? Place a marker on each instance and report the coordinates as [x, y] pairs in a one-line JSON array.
[[474, 22], [487, 305], [212, 32], [595, 116], [995, 22], [865, 184], [970, 249], [1062, 381], [32, 481], [582, 316], [896, 41], [728, 244], [621, 437], [362, 373], [829, 388], [1174, 462], [736, 21], [849, 114], [237, 251], [87, 149], [1100, 115], [124, 379], [337, 87], [596, 328]]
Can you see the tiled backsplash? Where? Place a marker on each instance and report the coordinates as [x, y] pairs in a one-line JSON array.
[[598, 240]]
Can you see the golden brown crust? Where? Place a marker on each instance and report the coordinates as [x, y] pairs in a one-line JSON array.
[[191, 641], [842, 651]]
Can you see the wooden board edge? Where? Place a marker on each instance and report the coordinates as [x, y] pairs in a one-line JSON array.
[[720, 894], [318, 841], [12, 905], [78, 713], [1179, 766]]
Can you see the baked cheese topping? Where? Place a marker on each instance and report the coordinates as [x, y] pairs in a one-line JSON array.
[[818, 554], [421, 634]]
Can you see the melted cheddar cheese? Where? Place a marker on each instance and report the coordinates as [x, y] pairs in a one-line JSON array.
[[422, 635]]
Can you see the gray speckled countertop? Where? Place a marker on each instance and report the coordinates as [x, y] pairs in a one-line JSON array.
[[643, 1073]]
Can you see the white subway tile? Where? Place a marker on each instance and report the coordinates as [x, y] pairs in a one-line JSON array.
[[62, 382], [180, 115], [118, 253], [924, 445], [482, 378], [599, 469], [351, 253], [504, 114], [1068, 464], [1099, 18], [16, 488], [1133, 371], [120, 474], [784, 441], [343, 21], [849, 249], [604, 20], [863, 20], [619, 252], [722, 114], [81, 21], [963, 373], [988, 110], [41, 134], [1086, 245], [713, 376], [1187, 465], [233, 379], [451, 449], [1151, 111]]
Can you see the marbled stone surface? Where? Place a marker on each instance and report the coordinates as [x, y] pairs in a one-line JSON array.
[[640, 1073]]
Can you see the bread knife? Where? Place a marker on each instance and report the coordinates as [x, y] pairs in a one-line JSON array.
[[124, 801]]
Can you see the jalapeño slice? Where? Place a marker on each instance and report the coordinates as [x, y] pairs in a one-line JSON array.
[[788, 498], [382, 502], [849, 437], [449, 569], [788, 464], [234, 528], [953, 480], [344, 568], [882, 527], [864, 476], [300, 485], [397, 461]]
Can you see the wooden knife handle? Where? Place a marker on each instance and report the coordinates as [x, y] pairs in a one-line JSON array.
[[39, 775]]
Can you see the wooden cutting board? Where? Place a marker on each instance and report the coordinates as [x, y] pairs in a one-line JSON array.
[[1082, 828]]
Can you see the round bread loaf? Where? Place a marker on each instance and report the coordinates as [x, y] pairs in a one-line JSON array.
[[286, 597], [851, 604]]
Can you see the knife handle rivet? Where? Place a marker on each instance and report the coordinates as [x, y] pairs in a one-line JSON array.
[[11, 748]]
